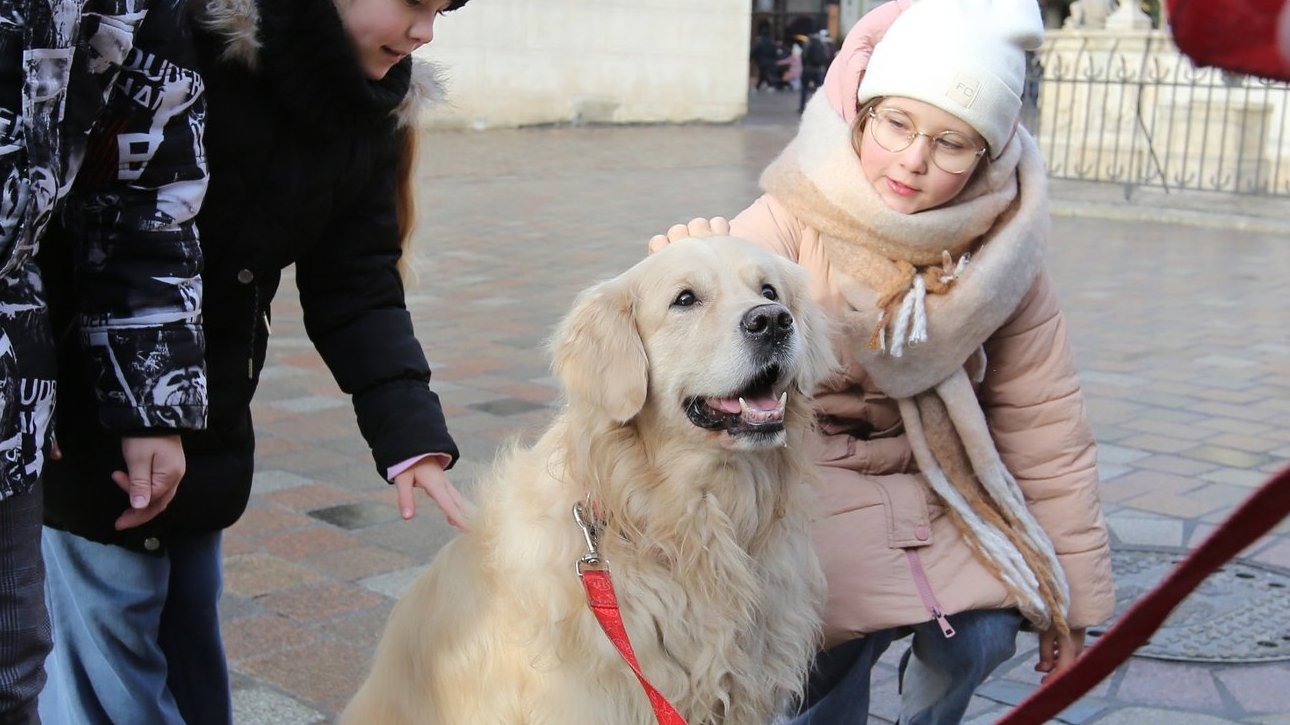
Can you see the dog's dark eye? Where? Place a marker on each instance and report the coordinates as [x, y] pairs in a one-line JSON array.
[[685, 299], [769, 292]]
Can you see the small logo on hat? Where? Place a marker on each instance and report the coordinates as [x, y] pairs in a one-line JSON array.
[[964, 90]]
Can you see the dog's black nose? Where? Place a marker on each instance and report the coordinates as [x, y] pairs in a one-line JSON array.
[[768, 323]]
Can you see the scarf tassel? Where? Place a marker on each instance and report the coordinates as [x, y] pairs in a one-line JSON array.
[[909, 316]]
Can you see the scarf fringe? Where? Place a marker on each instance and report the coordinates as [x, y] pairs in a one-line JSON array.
[[985, 501], [969, 420]]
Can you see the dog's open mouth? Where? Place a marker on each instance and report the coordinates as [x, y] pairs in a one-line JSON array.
[[754, 409]]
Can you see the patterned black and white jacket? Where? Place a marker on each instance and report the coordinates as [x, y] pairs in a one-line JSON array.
[[131, 241]]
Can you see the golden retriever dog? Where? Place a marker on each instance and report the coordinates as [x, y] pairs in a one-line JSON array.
[[684, 434]]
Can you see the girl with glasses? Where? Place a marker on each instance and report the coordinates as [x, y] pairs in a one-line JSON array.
[[957, 471]]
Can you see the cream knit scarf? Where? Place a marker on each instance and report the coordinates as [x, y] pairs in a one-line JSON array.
[[924, 292]]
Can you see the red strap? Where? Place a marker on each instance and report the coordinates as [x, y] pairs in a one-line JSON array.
[[604, 603], [1255, 517]]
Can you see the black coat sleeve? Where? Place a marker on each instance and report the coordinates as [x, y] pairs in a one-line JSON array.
[[352, 296]]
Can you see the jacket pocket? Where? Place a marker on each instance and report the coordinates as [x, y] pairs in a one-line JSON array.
[[909, 523]]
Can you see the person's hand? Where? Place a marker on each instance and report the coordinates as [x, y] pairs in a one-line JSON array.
[[428, 475], [154, 467], [700, 227], [1057, 652]]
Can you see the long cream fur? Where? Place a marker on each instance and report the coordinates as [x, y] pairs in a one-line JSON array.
[[706, 538]]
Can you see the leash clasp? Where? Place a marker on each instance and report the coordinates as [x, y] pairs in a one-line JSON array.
[[589, 532]]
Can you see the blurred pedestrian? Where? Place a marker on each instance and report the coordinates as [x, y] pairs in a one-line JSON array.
[[793, 64], [815, 60], [763, 56]]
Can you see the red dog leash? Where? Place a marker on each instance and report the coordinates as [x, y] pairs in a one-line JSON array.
[[594, 572], [1252, 519]]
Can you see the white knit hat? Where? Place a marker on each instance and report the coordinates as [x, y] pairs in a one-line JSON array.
[[966, 57]]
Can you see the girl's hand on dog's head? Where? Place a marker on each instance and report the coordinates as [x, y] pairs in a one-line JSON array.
[[699, 227], [428, 475]]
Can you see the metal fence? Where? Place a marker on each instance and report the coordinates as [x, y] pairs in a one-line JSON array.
[[1136, 112]]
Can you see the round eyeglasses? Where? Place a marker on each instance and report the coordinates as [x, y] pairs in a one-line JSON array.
[[952, 152]]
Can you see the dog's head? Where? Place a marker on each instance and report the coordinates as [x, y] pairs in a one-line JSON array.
[[710, 335]]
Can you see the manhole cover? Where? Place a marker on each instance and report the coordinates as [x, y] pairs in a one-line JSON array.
[[1241, 613]]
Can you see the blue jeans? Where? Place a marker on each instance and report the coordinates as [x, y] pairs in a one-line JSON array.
[[136, 636], [938, 682], [24, 625]]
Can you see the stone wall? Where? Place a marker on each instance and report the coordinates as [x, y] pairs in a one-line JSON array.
[[526, 62]]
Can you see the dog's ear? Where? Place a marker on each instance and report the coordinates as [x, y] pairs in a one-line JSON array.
[[598, 353]]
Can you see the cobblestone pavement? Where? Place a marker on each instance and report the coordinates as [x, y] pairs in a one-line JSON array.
[[1181, 331]]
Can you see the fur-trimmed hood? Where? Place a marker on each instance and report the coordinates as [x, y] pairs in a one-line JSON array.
[[254, 32]]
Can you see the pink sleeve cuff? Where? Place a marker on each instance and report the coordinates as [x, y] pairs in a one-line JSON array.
[[396, 469]]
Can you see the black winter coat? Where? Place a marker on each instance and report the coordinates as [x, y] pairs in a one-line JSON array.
[[302, 151]]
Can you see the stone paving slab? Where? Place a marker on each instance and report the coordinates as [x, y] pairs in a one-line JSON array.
[[1180, 330]]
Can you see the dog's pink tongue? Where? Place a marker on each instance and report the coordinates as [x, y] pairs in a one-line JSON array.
[[725, 405], [766, 402]]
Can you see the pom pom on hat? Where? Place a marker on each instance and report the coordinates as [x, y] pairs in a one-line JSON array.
[[966, 57]]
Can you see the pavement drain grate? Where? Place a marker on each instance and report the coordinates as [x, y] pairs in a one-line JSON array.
[[1241, 613]]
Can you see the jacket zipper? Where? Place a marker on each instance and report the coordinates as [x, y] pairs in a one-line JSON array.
[[925, 592], [255, 329]]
